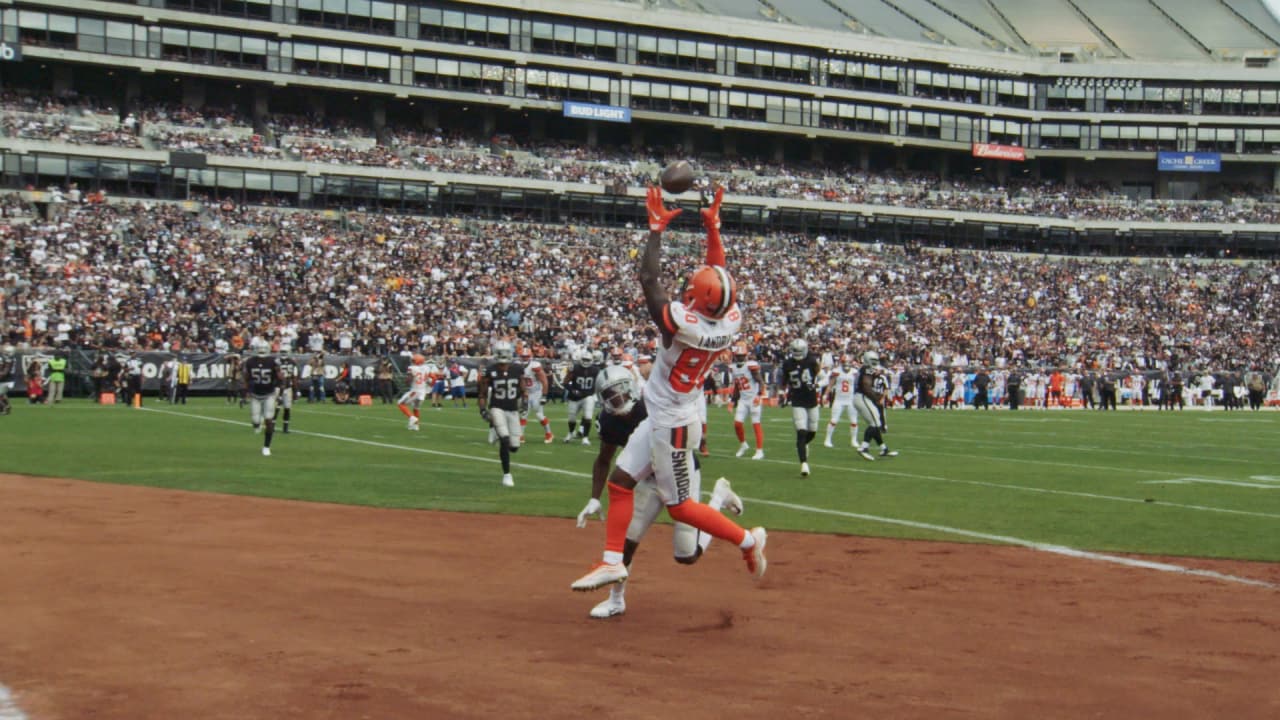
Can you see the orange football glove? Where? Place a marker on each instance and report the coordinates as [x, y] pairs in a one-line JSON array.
[[711, 215], [659, 215]]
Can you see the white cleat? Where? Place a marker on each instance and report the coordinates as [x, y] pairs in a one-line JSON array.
[[568, 438], [886, 452], [413, 423], [548, 438], [586, 441], [827, 443], [742, 450], [866, 455], [754, 556], [602, 574], [266, 452], [615, 604], [729, 499], [804, 469], [759, 455], [508, 481]]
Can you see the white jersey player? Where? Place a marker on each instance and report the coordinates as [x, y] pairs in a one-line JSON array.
[[695, 330], [843, 385], [748, 383], [536, 387], [420, 374]]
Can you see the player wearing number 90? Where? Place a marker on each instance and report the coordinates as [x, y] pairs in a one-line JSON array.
[[695, 330], [499, 391]]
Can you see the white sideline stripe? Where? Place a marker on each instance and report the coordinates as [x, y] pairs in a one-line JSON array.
[[9, 707], [1029, 544], [860, 469]]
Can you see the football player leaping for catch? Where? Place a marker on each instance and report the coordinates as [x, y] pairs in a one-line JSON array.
[[695, 329]]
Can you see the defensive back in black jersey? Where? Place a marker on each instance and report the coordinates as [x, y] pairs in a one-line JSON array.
[[263, 374], [874, 378], [581, 382], [801, 377], [504, 386], [617, 429]]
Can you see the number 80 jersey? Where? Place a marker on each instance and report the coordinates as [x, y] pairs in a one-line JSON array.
[[671, 392]]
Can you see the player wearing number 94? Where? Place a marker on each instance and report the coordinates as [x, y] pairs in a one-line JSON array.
[[499, 392], [695, 329]]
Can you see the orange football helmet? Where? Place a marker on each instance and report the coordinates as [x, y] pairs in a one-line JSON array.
[[740, 353], [419, 359], [709, 291]]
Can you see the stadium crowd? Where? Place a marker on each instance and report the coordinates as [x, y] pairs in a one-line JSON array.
[[336, 141], [156, 276]]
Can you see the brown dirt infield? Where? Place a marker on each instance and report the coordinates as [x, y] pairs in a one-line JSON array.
[[137, 603]]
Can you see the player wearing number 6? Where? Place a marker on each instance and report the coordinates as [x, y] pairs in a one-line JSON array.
[[499, 391], [695, 330]]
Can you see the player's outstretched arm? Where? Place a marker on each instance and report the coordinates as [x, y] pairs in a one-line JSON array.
[[711, 220], [655, 296]]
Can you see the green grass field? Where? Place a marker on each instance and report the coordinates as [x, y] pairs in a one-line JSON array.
[[1192, 483]]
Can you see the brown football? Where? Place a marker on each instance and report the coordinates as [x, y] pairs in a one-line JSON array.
[[677, 177]]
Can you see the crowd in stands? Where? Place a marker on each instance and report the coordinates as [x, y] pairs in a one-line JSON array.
[[336, 141], [127, 275]]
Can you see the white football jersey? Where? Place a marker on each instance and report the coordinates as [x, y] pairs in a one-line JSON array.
[[675, 383], [744, 378], [532, 385], [844, 383], [420, 376]]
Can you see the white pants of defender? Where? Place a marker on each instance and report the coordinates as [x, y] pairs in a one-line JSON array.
[[747, 406], [413, 397], [671, 477], [870, 414], [506, 423], [805, 419], [582, 410], [535, 407], [262, 407]]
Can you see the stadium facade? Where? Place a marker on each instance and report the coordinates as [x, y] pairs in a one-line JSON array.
[[1167, 99]]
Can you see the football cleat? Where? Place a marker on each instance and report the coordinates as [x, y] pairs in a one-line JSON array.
[[742, 450], [609, 607], [508, 481], [827, 444], [886, 452], [548, 438], [759, 455], [586, 440], [754, 555], [266, 452], [729, 499], [601, 574], [804, 469]]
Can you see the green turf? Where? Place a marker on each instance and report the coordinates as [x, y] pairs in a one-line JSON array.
[[1087, 480]]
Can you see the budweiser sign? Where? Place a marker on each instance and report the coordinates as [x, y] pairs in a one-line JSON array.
[[999, 152]]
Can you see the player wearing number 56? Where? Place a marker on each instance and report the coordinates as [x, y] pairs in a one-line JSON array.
[[499, 392], [695, 329]]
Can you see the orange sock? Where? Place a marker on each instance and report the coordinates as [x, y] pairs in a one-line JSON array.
[[692, 512], [523, 422], [405, 409], [622, 502], [417, 413], [759, 436], [742, 431]]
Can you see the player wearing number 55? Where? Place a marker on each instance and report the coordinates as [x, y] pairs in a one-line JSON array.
[[695, 330]]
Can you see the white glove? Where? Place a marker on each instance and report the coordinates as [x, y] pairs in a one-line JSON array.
[[592, 508]]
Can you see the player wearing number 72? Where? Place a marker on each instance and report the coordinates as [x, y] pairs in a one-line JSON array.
[[695, 330]]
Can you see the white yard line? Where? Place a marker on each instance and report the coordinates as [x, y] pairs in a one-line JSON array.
[[9, 707]]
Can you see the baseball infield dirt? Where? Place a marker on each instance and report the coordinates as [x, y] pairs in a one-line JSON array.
[[126, 602]]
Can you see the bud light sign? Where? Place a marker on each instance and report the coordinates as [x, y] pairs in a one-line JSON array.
[[588, 111], [1189, 162], [10, 53]]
